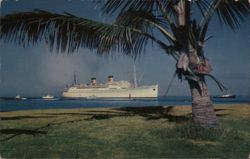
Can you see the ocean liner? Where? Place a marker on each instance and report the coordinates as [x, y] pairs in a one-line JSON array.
[[111, 89]]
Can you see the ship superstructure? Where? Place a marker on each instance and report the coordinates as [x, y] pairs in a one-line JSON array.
[[111, 89]]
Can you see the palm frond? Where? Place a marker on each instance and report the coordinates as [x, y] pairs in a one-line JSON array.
[[144, 21], [167, 7], [160, 8], [60, 31], [231, 12], [202, 6], [168, 11], [112, 6], [66, 33]]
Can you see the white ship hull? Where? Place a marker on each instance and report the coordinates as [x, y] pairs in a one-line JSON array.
[[139, 92]]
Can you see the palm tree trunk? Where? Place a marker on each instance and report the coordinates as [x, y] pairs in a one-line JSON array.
[[203, 113]]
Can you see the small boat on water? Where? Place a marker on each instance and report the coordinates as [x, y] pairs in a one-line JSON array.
[[48, 97], [226, 96], [18, 97]]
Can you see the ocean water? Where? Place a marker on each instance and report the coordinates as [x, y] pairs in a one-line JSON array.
[[30, 104]]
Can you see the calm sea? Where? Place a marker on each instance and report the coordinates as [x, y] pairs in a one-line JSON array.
[[29, 104]]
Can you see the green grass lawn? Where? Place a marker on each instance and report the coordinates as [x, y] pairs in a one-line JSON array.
[[150, 132]]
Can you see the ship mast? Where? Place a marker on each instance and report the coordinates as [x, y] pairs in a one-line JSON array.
[[135, 80], [75, 78]]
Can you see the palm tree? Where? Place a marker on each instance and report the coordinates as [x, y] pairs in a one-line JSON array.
[[178, 27]]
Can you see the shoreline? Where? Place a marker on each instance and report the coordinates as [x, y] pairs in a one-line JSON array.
[[185, 107], [14, 105]]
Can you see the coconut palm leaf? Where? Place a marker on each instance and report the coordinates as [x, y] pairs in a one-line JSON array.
[[202, 6], [145, 21], [167, 9], [60, 30], [230, 12], [122, 6], [66, 33], [163, 8]]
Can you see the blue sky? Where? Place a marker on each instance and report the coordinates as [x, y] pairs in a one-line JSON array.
[[34, 71]]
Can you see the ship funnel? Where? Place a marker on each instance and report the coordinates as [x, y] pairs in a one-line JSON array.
[[93, 81], [110, 78]]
